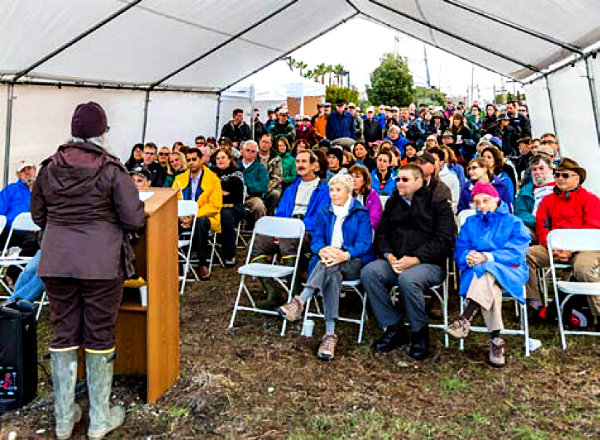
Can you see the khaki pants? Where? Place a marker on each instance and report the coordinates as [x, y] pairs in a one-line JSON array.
[[585, 269], [486, 292], [256, 207]]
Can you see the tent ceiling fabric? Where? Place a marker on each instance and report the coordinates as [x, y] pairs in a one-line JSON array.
[[212, 44]]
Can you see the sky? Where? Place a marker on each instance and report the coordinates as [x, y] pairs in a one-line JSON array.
[[361, 54]]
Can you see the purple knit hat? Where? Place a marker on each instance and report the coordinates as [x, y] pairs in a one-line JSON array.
[[485, 188], [89, 120]]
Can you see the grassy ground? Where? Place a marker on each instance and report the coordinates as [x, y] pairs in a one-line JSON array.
[[250, 383]]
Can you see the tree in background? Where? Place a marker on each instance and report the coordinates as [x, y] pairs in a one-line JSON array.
[[339, 70], [321, 71], [429, 96], [333, 93], [391, 82]]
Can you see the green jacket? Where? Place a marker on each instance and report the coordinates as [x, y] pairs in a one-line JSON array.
[[524, 205], [277, 130], [256, 178], [288, 167], [171, 178]]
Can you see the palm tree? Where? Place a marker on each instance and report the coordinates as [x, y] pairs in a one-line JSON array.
[[329, 71], [321, 70], [301, 65], [308, 74], [338, 70], [291, 62]]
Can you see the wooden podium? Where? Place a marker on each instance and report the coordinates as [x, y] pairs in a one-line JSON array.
[[147, 338]]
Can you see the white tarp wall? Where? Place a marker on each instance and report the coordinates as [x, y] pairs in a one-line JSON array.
[[42, 119], [3, 91], [573, 116]]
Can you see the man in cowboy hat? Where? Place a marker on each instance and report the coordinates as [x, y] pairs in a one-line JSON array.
[[568, 207]]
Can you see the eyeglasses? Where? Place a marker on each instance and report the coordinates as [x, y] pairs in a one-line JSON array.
[[200, 143], [163, 154], [547, 143], [403, 179], [250, 150], [563, 175]]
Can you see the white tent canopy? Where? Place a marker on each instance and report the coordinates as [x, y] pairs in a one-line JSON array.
[[153, 46]]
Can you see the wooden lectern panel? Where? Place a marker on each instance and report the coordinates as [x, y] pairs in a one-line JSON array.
[[148, 337]]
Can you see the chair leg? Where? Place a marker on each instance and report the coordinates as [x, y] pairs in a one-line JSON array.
[[212, 253], [525, 325], [561, 329], [40, 305], [445, 312], [363, 315], [461, 343], [237, 301]]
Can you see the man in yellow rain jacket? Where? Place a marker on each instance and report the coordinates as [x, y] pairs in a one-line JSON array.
[[201, 184]]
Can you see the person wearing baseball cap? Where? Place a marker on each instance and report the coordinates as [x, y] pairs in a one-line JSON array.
[[141, 177], [490, 252], [569, 206], [87, 205], [508, 136], [340, 123], [372, 127]]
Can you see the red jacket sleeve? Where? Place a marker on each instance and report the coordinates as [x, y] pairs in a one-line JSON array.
[[542, 221], [591, 212]]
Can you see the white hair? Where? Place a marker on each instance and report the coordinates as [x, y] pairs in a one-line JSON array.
[[395, 128], [344, 180]]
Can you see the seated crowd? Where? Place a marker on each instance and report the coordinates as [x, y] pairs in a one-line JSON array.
[[379, 196]]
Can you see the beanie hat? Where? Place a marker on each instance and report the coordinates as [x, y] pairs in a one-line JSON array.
[[496, 141], [89, 120], [485, 188], [337, 152]]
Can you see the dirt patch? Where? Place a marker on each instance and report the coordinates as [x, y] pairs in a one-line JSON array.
[[250, 383]]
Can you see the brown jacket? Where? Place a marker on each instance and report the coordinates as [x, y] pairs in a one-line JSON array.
[[87, 205]]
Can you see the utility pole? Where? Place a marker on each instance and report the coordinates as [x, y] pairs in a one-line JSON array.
[[472, 89], [426, 66]]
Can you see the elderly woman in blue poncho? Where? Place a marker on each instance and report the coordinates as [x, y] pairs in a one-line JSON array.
[[490, 253]]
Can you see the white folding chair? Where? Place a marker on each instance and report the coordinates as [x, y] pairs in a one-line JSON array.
[[353, 286], [186, 208], [574, 240], [521, 311], [22, 223], [277, 227], [41, 303], [441, 297], [212, 239], [463, 216]]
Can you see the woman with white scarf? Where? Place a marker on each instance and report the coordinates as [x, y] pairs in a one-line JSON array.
[[341, 245]]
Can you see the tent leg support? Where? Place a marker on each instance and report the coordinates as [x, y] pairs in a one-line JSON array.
[[551, 105], [10, 96], [592, 84], [145, 123], [218, 117]]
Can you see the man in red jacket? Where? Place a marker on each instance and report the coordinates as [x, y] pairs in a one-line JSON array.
[[568, 207]]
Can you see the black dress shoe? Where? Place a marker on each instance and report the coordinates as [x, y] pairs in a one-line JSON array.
[[419, 346], [395, 336]]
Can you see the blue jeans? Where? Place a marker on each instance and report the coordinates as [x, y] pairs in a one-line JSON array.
[[29, 286], [378, 278]]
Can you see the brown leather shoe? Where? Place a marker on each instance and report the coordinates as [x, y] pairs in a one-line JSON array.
[[203, 273], [327, 348]]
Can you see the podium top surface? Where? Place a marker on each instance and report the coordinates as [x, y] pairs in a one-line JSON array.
[[160, 196]]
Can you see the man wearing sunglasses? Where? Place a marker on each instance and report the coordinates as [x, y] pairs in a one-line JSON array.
[[568, 207], [413, 240]]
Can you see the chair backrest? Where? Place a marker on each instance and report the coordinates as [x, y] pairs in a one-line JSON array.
[[187, 208], [280, 227], [464, 215], [24, 222], [574, 239], [3, 221]]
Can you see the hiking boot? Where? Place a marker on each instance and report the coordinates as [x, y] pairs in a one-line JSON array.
[[419, 344], [327, 347], [64, 376], [203, 273], [103, 417], [292, 311], [395, 336], [497, 353], [230, 262], [459, 328]]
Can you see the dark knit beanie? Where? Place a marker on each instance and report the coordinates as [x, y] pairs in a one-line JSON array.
[[89, 120], [337, 152]]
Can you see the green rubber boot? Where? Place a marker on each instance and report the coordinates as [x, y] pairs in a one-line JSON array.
[[275, 297], [64, 377], [103, 417]]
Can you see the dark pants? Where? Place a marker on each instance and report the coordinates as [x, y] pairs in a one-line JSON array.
[[84, 311], [230, 217], [26, 240], [200, 242], [378, 277]]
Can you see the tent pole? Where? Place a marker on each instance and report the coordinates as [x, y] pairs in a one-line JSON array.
[[10, 96], [593, 95], [145, 124], [551, 105], [252, 110], [218, 117]]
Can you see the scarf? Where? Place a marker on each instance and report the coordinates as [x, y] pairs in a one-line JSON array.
[[340, 212]]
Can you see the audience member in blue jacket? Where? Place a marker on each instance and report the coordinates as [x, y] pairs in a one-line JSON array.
[[383, 176], [479, 172], [397, 140], [341, 245], [340, 123], [490, 252], [302, 200], [15, 199]]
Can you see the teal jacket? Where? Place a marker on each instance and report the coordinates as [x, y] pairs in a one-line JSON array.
[[256, 178], [288, 167], [524, 205]]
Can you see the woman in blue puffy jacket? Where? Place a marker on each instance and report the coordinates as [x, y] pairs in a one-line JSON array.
[[383, 176], [490, 252], [341, 245]]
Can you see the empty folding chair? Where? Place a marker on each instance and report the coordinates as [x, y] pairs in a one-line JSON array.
[[353, 286], [573, 240], [277, 227], [186, 208]]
